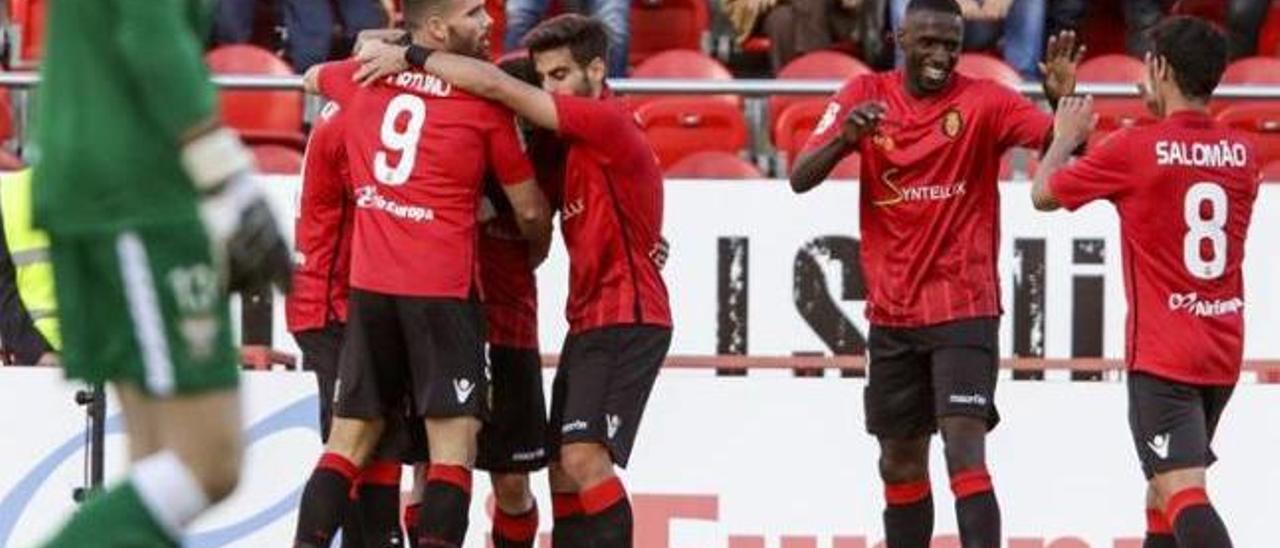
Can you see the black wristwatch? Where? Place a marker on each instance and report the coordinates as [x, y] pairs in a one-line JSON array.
[[416, 55]]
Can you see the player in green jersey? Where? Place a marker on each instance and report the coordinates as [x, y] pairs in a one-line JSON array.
[[152, 213]]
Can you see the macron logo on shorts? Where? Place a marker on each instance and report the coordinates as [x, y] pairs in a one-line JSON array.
[[612, 422], [968, 399], [463, 388], [1160, 446]]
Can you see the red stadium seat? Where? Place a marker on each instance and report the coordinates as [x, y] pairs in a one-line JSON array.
[[679, 127], [683, 63], [980, 65], [1271, 172], [1114, 113], [27, 18], [793, 127], [277, 159], [1111, 68], [660, 25], [714, 164], [260, 116], [1250, 70], [1253, 70], [1261, 118], [818, 65]]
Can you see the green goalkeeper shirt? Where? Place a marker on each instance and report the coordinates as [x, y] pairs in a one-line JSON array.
[[121, 81]]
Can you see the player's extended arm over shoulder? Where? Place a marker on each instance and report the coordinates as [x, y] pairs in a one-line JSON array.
[[476, 77], [162, 52]]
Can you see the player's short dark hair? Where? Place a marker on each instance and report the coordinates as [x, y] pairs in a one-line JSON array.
[[519, 65], [416, 12], [1195, 49], [586, 37], [949, 7]]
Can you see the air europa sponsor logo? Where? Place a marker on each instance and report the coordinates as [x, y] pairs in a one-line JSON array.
[[367, 197], [1192, 304]]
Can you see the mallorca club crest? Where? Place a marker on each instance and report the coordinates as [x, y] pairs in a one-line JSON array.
[[952, 123]]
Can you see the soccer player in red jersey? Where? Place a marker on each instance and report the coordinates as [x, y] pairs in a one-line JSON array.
[[1184, 189], [513, 442], [418, 150], [316, 313], [611, 215], [931, 142]]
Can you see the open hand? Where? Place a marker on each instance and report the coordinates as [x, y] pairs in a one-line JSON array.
[[377, 60], [1074, 120], [1062, 56]]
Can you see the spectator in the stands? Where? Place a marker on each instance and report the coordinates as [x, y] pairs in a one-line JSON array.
[[1016, 26], [29, 330], [1064, 15], [1244, 20], [797, 27], [308, 25], [523, 15]]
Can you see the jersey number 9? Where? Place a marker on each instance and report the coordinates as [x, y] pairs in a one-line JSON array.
[[396, 140]]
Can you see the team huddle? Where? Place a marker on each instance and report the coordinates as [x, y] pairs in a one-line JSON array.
[[446, 203], [430, 183]]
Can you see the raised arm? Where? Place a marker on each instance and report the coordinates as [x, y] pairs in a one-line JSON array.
[[813, 166], [1071, 127]]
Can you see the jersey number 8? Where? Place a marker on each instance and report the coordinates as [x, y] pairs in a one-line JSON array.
[[1200, 229], [403, 141]]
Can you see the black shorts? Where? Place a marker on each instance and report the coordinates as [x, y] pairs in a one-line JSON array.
[[602, 385], [321, 349], [515, 438], [1173, 423], [916, 375], [428, 352]]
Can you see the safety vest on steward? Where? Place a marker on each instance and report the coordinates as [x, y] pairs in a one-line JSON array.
[[30, 251]]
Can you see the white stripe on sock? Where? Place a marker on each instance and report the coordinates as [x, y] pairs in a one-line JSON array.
[[144, 308], [169, 491]]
